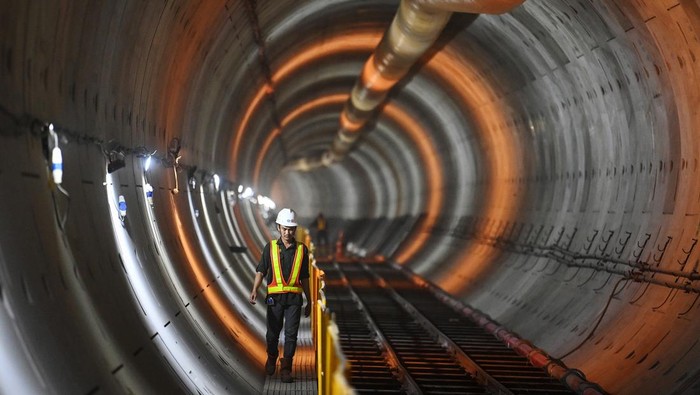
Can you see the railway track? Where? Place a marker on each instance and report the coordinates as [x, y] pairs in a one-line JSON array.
[[400, 338]]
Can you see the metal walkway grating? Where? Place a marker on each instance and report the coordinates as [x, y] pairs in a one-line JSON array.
[[303, 371], [400, 338]]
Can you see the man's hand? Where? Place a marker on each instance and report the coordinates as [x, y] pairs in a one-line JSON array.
[[307, 295], [253, 297], [256, 285]]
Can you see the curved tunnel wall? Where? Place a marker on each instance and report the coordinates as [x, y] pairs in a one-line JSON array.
[[540, 165]]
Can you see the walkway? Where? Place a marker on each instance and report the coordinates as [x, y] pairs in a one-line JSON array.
[[304, 370]]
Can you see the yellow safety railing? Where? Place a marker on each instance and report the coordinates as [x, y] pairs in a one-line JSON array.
[[304, 236], [331, 365]]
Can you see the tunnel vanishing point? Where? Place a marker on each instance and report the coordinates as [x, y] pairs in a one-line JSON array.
[[539, 163]]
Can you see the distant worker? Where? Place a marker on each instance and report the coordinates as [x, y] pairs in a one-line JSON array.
[[285, 266], [321, 233]]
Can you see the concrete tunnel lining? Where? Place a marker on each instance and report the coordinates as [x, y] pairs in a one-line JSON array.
[[565, 132]]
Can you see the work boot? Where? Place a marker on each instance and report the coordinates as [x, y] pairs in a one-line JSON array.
[[286, 370], [270, 365]]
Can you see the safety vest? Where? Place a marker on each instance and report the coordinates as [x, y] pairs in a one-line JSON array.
[[278, 284]]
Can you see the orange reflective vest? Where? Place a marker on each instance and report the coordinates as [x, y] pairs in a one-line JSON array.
[[278, 284]]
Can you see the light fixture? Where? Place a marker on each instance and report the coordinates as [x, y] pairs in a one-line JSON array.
[[122, 207], [247, 193], [217, 181], [174, 160], [115, 164], [115, 155], [56, 158], [149, 194], [176, 190], [266, 202]]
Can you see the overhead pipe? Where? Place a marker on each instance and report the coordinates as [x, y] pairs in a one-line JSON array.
[[472, 6], [415, 28]]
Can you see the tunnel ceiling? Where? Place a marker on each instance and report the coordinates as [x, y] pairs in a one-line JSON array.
[[541, 164]]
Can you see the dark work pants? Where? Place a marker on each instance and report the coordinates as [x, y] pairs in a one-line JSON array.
[[322, 237], [277, 315]]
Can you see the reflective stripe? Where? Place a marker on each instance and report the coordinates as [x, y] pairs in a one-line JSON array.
[[296, 267], [278, 284], [277, 280]]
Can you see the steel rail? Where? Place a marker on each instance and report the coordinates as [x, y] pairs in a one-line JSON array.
[[473, 368], [427, 361], [393, 360]]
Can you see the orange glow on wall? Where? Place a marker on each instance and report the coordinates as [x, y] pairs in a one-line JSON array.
[[240, 131], [426, 150], [500, 152], [472, 93], [254, 249], [176, 91], [433, 175], [296, 112], [427, 153], [254, 345], [361, 41], [261, 157], [312, 105]]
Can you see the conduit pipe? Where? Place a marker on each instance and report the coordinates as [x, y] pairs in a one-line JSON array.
[[415, 28], [638, 272], [574, 379]]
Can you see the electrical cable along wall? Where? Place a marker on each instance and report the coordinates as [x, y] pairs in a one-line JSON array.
[[540, 165]]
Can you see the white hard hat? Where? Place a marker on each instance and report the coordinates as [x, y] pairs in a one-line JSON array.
[[287, 217]]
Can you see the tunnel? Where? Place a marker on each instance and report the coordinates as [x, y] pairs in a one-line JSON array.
[[539, 164]]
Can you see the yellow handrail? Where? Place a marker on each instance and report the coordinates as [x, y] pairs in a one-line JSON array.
[[331, 365]]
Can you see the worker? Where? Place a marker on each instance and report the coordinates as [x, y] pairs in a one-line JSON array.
[[285, 265], [321, 233]]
